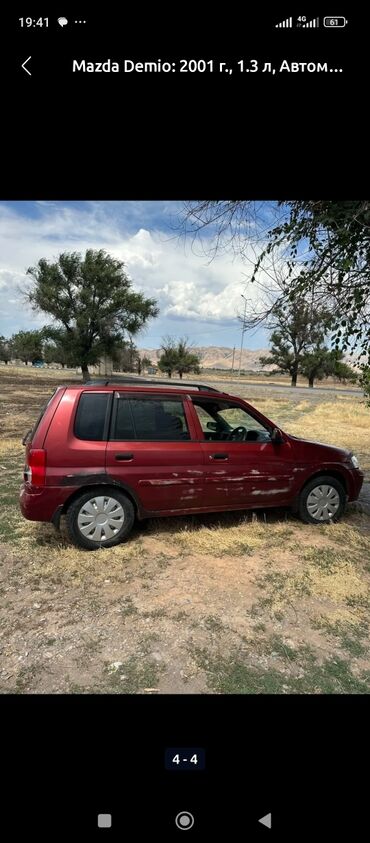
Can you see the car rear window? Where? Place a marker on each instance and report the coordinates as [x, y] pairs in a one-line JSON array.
[[91, 416]]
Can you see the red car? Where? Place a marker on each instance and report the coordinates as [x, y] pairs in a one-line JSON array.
[[110, 451]]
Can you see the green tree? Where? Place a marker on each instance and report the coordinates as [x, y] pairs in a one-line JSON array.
[[122, 357], [298, 329], [137, 362], [56, 346], [146, 362], [341, 371], [322, 363], [5, 350], [56, 353], [325, 246], [27, 345], [178, 357], [126, 358], [133, 357], [91, 299], [282, 357], [168, 360], [315, 365], [187, 360]]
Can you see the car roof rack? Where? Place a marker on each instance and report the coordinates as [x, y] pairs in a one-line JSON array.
[[147, 382]]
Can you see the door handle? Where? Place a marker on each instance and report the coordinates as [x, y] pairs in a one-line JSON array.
[[219, 456], [126, 456]]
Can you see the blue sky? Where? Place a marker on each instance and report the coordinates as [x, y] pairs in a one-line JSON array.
[[198, 298]]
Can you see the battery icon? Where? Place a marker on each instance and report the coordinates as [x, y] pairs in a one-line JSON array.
[[335, 22]]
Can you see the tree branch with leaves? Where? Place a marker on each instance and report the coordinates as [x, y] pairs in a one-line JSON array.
[[324, 245]]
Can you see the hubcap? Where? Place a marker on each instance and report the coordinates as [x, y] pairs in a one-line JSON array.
[[100, 518], [323, 503]]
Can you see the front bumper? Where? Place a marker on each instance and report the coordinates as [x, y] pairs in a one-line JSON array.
[[357, 479]]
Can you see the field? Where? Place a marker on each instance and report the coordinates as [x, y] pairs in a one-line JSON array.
[[238, 603]]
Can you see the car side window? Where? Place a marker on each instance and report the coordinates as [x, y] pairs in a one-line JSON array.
[[123, 425], [225, 421], [204, 418], [91, 416], [148, 419]]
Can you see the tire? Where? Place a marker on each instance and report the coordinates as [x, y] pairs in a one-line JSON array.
[[83, 515], [322, 500]]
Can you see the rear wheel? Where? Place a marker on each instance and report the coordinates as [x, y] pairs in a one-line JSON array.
[[323, 499], [100, 518]]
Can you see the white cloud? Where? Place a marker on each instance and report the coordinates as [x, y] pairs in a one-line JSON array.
[[187, 286]]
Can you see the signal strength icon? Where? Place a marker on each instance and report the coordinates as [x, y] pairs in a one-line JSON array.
[[312, 23], [288, 23]]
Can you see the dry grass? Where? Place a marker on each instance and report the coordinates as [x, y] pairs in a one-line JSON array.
[[324, 572], [10, 447], [263, 380], [345, 423], [233, 534], [36, 376]]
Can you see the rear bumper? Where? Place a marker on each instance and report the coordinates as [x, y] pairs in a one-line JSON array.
[[42, 504]]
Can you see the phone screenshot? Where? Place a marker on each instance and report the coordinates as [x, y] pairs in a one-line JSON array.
[[185, 450]]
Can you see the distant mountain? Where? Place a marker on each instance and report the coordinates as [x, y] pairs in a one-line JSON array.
[[221, 357]]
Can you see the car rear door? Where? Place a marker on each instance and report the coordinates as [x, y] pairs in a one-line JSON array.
[[75, 439], [153, 450], [253, 472]]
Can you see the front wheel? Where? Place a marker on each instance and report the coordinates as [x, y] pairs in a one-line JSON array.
[[322, 500], [100, 518]]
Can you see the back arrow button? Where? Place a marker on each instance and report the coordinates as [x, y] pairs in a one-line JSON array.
[[266, 820], [26, 68]]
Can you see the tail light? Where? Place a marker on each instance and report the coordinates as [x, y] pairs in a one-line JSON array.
[[35, 470]]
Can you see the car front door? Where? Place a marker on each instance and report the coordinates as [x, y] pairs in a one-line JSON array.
[[153, 450], [243, 464]]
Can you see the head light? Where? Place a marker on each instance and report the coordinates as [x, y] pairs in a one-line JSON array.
[[355, 461]]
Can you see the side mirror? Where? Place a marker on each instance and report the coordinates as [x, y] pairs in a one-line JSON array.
[[212, 426], [276, 436]]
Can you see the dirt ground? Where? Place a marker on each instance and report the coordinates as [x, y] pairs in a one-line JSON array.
[[233, 603]]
